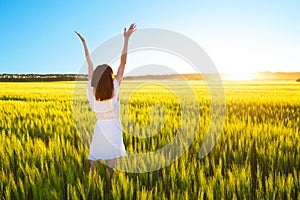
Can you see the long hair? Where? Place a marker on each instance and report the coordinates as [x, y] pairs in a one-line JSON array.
[[102, 80]]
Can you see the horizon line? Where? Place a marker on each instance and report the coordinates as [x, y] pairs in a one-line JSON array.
[[287, 72]]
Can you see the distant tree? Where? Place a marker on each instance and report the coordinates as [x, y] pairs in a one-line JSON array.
[[298, 80], [41, 77]]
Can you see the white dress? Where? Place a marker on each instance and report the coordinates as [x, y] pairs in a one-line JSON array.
[[107, 141]]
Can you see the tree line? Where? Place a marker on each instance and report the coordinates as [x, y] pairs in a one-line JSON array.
[[41, 77], [83, 77]]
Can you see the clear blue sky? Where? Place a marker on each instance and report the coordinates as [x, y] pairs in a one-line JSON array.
[[38, 36]]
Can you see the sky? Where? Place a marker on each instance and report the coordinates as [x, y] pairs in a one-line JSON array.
[[246, 36]]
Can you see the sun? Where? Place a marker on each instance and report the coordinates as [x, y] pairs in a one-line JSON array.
[[239, 76]]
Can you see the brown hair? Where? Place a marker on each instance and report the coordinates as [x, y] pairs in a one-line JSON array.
[[102, 81]]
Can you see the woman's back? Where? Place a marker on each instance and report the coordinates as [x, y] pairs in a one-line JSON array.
[[108, 109]]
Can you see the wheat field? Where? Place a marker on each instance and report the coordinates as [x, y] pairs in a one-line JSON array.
[[43, 154]]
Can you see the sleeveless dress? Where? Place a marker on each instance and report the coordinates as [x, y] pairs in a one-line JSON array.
[[107, 141]]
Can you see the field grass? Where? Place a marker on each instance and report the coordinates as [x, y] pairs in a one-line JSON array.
[[44, 142]]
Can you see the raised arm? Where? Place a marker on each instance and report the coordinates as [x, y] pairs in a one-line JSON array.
[[121, 68], [88, 58]]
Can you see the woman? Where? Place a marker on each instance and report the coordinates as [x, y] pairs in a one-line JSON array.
[[103, 95]]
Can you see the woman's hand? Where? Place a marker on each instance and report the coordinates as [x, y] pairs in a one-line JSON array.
[[128, 32], [88, 58], [80, 36]]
